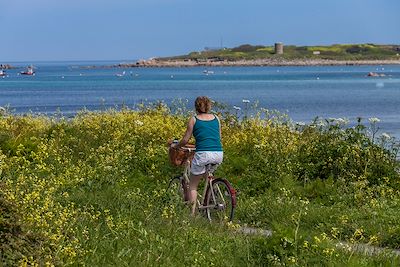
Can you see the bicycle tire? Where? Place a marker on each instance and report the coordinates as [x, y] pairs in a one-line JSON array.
[[173, 198], [222, 210], [177, 190]]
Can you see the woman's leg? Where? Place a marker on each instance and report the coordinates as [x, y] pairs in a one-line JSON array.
[[193, 184]]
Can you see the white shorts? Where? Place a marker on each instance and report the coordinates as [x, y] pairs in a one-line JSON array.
[[203, 158]]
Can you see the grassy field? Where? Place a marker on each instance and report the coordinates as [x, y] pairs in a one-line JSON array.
[[89, 191], [335, 52]]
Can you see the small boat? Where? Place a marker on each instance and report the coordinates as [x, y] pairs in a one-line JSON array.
[[207, 72], [2, 73], [120, 74], [375, 74], [29, 71]]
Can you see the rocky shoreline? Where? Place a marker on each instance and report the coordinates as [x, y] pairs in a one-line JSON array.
[[179, 63], [6, 67], [153, 63]]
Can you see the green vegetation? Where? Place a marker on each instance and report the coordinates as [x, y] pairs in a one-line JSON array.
[[89, 191], [335, 52]]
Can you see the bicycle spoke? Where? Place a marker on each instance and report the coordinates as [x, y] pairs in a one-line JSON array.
[[220, 202]]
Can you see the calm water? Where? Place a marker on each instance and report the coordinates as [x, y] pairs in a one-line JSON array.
[[302, 92]]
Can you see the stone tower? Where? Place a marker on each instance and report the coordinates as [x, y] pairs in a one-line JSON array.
[[279, 48]]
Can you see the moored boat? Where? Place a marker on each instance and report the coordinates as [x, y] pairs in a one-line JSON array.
[[120, 74], [207, 72], [29, 71], [375, 74]]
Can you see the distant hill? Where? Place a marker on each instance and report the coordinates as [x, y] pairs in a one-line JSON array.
[[332, 52]]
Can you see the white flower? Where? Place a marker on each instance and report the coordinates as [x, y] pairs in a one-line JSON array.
[[236, 107], [386, 136], [138, 122], [246, 101], [374, 120], [341, 121]]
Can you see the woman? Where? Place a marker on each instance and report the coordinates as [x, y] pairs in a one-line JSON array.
[[206, 129]]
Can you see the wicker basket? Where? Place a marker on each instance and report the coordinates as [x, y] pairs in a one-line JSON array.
[[178, 156]]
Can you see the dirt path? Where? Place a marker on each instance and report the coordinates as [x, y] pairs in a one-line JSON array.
[[254, 231], [358, 248]]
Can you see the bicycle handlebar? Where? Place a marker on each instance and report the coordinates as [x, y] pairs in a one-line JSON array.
[[185, 148], [189, 149]]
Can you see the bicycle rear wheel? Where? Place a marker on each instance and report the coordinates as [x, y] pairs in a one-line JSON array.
[[220, 201]]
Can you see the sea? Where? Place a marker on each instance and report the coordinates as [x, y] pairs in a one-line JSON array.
[[303, 93]]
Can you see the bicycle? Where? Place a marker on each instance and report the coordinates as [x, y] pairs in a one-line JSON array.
[[218, 200]]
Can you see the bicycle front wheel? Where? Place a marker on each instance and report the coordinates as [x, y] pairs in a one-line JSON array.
[[177, 190], [220, 201]]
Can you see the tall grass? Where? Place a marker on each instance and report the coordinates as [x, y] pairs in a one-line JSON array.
[[89, 191]]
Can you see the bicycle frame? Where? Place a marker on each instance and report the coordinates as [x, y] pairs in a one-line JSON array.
[[218, 197], [208, 184]]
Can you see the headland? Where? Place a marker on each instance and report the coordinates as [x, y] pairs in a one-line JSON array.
[[279, 55]]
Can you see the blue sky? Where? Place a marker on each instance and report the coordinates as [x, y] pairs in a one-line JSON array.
[[133, 29]]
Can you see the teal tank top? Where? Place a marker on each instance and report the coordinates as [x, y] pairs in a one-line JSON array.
[[207, 135]]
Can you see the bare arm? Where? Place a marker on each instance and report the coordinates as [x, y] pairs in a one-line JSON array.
[[188, 134], [220, 126]]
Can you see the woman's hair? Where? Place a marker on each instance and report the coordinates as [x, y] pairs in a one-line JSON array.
[[202, 104]]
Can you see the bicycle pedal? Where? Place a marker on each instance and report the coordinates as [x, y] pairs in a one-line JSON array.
[[220, 207]]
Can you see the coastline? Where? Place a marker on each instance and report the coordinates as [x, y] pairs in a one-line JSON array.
[[247, 63]]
